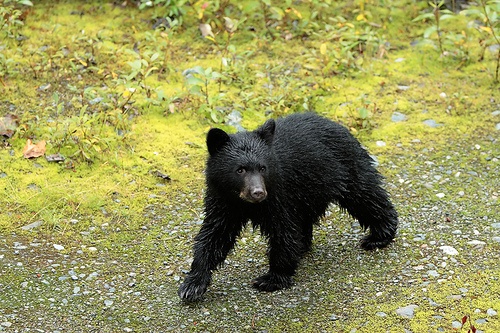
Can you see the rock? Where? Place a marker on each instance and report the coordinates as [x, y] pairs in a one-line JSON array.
[[380, 144], [381, 314], [398, 117], [455, 297], [432, 123], [440, 195], [58, 247], [234, 120], [496, 239], [334, 317], [490, 312], [456, 324], [403, 87], [433, 273], [450, 250], [476, 242], [407, 311], [33, 225]]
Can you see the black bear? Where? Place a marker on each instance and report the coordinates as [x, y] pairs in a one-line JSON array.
[[282, 177]]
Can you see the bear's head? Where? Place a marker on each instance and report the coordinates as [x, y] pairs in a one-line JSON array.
[[239, 165]]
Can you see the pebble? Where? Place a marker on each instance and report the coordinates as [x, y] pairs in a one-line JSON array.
[[433, 273], [33, 225], [58, 247], [398, 117], [108, 302], [490, 312], [455, 297], [450, 250], [334, 317], [432, 123], [407, 311]]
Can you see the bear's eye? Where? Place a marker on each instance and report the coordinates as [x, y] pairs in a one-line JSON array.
[[262, 169], [240, 170]]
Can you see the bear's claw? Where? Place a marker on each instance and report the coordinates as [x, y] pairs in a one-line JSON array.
[[371, 243], [192, 290], [272, 282]]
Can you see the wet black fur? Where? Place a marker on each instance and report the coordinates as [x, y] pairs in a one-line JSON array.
[[305, 163]]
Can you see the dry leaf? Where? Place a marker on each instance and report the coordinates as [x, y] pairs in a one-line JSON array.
[[206, 30], [32, 151], [229, 25], [8, 125]]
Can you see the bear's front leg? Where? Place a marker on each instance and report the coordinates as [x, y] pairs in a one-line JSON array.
[[284, 256], [216, 238]]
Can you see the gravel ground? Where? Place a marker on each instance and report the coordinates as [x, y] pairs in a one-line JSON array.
[[442, 266]]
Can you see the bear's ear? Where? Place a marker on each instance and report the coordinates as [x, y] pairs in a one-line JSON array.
[[216, 139], [266, 131]]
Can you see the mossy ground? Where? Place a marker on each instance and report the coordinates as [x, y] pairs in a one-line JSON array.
[[127, 234]]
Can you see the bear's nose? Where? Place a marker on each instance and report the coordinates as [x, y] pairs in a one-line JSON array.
[[258, 194]]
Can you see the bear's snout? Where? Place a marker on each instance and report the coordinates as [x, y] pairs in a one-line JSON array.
[[258, 194], [254, 189]]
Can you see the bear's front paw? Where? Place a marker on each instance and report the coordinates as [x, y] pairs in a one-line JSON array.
[[370, 242], [192, 290], [271, 282]]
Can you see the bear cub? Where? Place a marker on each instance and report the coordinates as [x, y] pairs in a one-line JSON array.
[[282, 177]]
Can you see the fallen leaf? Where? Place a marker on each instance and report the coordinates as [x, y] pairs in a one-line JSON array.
[[32, 151], [229, 25], [8, 125], [322, 49], [206, 30]]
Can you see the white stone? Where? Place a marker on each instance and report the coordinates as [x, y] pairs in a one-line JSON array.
[[450, 250]]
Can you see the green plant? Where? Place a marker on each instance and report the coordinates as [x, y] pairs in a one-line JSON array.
[[360, 113], [6, 67], [450, 42], [11, 17], [198, 82], [345, 46], [486, 20], [175, 9]]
